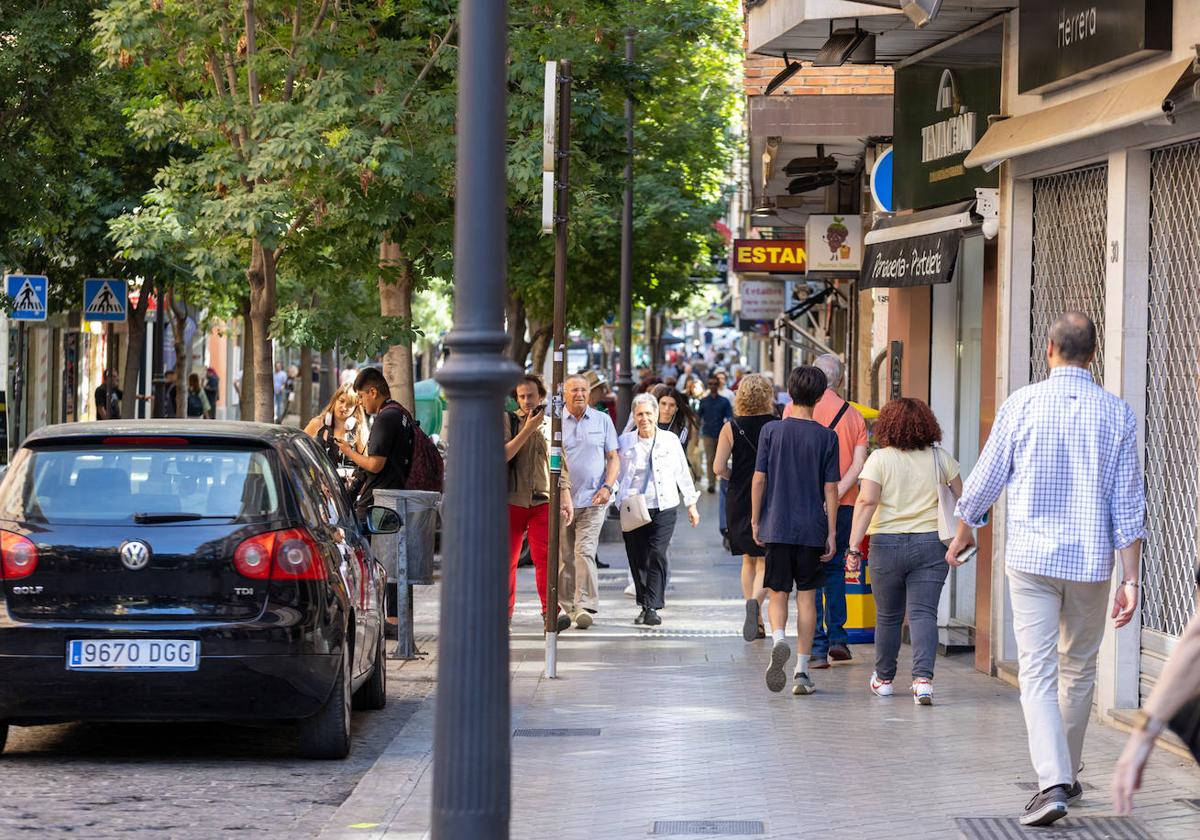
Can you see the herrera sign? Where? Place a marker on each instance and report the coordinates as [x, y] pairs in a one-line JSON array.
[[769, 256]]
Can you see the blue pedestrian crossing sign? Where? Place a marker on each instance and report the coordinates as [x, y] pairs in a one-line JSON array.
[[105, 300], [28, 292]]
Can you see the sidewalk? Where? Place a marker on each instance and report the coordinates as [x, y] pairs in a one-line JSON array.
[[647, 729]]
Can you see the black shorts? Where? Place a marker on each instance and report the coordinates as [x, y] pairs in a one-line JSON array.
[[788, 564]]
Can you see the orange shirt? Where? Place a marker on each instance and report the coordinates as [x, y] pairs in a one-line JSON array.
[[851, 431]]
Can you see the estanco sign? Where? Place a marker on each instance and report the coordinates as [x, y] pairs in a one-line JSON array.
[[940, 112], [1066, 41], [769, 256]]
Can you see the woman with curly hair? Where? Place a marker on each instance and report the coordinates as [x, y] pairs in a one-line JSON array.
[[753, 408], [898, 506]]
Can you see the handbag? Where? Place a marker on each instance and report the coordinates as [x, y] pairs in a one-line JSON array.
[[634, 511], [1186, 724], [947, 501]]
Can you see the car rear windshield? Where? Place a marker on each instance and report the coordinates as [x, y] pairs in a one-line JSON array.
[[116, 484]]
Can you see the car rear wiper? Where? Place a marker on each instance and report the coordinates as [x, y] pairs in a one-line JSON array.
[[177, 516]]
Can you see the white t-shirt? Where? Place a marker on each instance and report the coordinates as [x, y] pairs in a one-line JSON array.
[[640, 464], [281, 378]]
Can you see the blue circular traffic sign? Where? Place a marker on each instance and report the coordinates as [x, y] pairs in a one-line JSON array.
[[881, 181]]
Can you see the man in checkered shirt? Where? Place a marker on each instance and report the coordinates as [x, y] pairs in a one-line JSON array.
[[1066, 451]]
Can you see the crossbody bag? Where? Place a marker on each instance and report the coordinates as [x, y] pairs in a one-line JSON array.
[[634, 511]]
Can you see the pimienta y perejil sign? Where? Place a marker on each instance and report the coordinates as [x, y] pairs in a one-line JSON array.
[[1066, 41], [941, 111]]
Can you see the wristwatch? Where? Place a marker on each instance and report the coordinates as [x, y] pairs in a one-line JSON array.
[[853, 552], [609, 488], [1143, 722]]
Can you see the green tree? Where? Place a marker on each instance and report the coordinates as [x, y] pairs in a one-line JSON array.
[[294, 112]]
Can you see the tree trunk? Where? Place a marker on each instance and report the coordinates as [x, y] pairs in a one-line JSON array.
[[136, 326], [306, 386], [541, 334], [179, 324], [518, 347], [246, 388], [262, 310], [395, 301]]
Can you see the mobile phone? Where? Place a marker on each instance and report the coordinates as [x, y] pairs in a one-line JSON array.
[[538, 409], [967, 554]]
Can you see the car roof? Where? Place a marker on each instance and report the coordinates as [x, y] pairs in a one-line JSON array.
[[268, 434]]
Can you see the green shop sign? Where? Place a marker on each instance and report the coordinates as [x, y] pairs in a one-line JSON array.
[[941, 112]]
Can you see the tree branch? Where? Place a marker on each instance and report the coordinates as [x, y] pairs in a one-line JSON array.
[[429, 64], [319, 19], [290, 83], [251, 52]]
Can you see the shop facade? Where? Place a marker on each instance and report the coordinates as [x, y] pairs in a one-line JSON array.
[[1098, 152]]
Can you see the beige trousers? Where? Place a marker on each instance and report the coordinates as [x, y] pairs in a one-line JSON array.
[[1059, 625], [578, 584]]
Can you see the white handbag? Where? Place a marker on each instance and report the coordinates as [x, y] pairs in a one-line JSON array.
[[634, 512], [947, 501]]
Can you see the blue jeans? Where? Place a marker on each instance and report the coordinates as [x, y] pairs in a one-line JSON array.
[[831, 596]]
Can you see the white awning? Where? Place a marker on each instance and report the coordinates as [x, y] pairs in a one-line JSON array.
[[1137, 100], [924, 223]]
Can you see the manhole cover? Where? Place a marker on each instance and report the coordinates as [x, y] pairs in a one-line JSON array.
[[1071, 828], [582, 732], [727, 828]]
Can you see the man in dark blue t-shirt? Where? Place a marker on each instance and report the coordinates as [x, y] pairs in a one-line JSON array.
[[794, 502], [715, 411]]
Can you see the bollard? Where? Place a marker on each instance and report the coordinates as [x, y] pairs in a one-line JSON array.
[[408, 555]]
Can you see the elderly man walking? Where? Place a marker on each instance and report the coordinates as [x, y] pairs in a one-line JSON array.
[[1066, 450], [589, 444]]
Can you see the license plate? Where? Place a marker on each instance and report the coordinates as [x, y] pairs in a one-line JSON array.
[[133, 655]]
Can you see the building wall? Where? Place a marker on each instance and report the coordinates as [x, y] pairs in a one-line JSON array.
[[814, 81]]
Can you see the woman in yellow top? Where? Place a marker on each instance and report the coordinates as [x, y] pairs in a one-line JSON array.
[[898, 506]]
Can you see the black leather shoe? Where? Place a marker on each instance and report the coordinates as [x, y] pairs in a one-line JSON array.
[[652, 619], [641, 617]]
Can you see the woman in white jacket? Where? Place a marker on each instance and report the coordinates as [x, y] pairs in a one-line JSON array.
[[654, 465]]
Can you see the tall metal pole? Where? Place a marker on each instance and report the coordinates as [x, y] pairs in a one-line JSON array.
[[625, 375], [472, 762], [18, 415], [156, 357], [562, 177]]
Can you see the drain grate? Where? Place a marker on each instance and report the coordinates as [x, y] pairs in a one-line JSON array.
[[567, 732], [1071, 828], [1194, 804], [712, 828], [1034, 787]]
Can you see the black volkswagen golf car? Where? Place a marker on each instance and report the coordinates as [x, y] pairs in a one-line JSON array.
[[178, 570]]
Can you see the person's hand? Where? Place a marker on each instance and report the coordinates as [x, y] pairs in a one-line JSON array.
[[754, 531], [533, 420], [1127, 773], [958, 545], [1124, 604], [830, 549], [567, 511], [343, 447], [853, 562], [693, 515], [602, 496]]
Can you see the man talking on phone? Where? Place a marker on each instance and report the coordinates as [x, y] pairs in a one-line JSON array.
[[1066, 451], [527, 450]]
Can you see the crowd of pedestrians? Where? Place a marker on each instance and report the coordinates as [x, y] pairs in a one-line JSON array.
[[805, 505]]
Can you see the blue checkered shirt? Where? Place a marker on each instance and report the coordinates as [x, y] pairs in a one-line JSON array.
[[1066, 450]]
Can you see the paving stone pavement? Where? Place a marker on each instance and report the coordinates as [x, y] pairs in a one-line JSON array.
[[689, 732]]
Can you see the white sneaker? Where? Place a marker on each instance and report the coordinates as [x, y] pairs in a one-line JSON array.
[[880, 688], [922, 691], [630, 591]]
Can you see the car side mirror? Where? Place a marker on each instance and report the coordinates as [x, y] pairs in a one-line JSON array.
[[381, 520]]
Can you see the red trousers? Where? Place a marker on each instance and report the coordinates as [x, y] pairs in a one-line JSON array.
[[534, 520]]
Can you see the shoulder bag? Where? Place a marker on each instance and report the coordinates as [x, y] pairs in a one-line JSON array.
[[634, 512], [947, 501]]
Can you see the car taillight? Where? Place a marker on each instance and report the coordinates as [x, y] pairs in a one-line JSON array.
[[280, 555], [18, 555]]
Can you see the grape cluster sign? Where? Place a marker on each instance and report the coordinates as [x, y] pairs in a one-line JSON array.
[[835, 243]]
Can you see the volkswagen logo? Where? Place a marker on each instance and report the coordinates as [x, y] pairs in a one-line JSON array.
[[135, 555]]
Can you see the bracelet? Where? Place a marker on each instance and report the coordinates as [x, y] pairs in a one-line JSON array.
[[1132, 583], [853, 552]]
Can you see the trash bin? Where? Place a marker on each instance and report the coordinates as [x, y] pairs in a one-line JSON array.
[[408, 554]]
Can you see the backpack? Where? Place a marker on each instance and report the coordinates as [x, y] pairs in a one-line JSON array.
[[424, 469], [195, 408]]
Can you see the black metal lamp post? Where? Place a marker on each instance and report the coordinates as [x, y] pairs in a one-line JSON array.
[[472, 757]]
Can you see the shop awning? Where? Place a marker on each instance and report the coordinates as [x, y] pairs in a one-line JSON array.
[[1142, 98], [916, 250]]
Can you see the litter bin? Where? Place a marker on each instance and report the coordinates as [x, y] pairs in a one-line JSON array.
[[408, 554]]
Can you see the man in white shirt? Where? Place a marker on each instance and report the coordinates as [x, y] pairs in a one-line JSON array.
[[589, 447], [280, 383], [1066, 451]]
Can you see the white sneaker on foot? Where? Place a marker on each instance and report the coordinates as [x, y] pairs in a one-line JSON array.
[[880, 688], [922, 691]]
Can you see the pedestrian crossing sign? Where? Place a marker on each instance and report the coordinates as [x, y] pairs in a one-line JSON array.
[[105, 300], [28, 293]]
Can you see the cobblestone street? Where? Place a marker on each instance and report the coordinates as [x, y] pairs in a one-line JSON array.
[[648, 728]]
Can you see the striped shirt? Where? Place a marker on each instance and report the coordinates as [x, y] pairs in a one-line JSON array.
[[1066, 450]]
